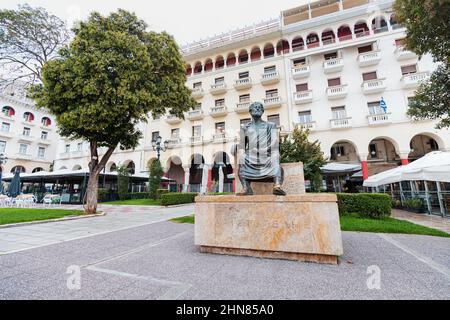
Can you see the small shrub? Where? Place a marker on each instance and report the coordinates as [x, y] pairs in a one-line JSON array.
[[413, 203], [170, 199], [371, 205], [102, 195], [123, 182], [160, 192]]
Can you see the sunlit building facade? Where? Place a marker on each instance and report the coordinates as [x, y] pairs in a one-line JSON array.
[[336, 67]]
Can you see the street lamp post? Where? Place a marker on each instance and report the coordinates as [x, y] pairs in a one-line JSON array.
[[156, 145]]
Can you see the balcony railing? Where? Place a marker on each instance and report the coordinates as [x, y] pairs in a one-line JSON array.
[[26, 138], [359, 33], [272, 102], [302, 71], [6, 134], [379, 119], [337, 92], [172, 119], [369, 58], [374, 86], [413, 80], [270, 77], [219, 137], [303, 97], [306, 125], [196, 140], [380, 30], [173, 142], [341, 123], [333, 65], [218, 111], [402, 54], [242, 107], [46, 141], [197, 92], [241, 84], [218, 88], [195, 114]]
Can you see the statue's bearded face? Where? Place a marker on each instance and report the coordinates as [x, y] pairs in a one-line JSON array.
[[256, 110]]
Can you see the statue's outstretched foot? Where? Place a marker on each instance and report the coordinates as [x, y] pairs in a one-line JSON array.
[[278, 191], [245, 193]]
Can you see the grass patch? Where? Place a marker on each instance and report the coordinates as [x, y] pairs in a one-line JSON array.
[[13, 215], [360, 224], [387, 225], [135, 202], [186, 219]]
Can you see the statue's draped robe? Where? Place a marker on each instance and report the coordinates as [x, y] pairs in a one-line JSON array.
[[261, 158]]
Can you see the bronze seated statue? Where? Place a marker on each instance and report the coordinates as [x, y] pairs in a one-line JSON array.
[[261, 159]]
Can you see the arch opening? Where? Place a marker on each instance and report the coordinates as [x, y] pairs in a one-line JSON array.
[[312, 40], [328, 37], [283, 47], [344, 33], [298, 44]]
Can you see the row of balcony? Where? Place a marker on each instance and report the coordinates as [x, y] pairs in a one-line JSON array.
[[344, 123], [409, 81], [24, 138], [239, 84], [364, 59], [220, 137], [220, 111], [341, 123], [303, 71]]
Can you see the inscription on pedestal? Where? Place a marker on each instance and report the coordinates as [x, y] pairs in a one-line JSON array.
[[295, 226]]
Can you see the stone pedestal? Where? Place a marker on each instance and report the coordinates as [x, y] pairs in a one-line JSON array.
[[302, 227]]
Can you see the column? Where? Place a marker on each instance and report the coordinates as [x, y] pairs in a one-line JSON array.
[[427, 198], [186, 179], [441, 199], [205, 174], [404, 158], [233, 185], [209, 183], [365, 169], [364, 165]]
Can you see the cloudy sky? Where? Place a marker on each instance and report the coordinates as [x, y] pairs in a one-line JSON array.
[[186, 20]]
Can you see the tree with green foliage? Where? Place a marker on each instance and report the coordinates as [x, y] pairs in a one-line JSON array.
[[427, 26], [113, 74], [156, 172], [298, 148], [123, 182], [29, 38]]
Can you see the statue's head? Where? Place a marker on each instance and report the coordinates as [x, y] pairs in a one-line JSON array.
[[256, 109]]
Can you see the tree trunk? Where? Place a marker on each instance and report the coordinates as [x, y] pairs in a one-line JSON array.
[[92, 193], [95, 167]]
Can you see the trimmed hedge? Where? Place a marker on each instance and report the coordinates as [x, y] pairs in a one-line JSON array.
[[170, 199], [372, 205]]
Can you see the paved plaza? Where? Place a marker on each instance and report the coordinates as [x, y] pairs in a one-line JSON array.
[[133, 256], [116, 218]]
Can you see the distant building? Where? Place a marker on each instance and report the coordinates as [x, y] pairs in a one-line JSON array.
[[28, 135]]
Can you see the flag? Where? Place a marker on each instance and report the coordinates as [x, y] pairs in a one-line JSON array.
[[383, 105]]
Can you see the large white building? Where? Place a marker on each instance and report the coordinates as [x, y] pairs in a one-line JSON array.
[[337, 67], [28, 136]]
